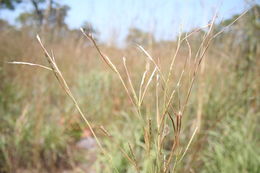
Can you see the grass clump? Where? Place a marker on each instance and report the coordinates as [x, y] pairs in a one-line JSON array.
[[146, 115]]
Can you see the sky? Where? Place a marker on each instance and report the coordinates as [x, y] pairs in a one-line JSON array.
[[164, 18]]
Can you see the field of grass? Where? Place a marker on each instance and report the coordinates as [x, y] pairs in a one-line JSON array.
[[190, 105]]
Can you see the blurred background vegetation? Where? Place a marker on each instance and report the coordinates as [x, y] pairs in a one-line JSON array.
[[40, 129]]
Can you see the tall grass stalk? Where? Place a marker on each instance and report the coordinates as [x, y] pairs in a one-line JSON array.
[[168, 112], [54, 68], [161, 124]]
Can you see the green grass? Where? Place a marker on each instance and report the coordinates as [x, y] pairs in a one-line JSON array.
[[40, 125]]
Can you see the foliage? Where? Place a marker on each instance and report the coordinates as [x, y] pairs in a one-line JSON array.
[[55, 18], [9, 4], [39, 126], [140, 37]]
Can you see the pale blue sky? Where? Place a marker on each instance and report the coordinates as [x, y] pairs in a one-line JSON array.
[[162, 17]]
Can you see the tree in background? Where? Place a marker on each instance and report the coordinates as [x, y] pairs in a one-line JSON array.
[[46, 14], [245, 37], [138, 36], [4, 25], [89, 28], [9, 4]]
